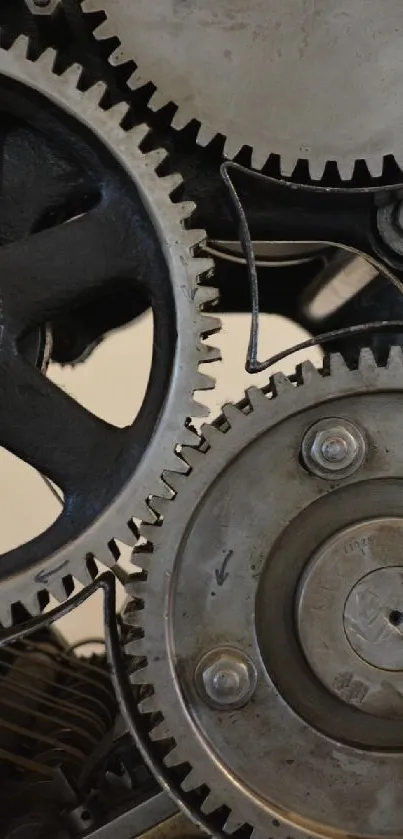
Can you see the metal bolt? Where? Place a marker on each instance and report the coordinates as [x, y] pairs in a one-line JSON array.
[[333, 447], [226, 678]]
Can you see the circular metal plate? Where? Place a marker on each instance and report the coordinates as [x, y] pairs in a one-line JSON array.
[[297, 759], [304, 80]]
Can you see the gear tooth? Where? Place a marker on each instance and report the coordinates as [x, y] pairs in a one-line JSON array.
[[103, 31], [173, 462], [186, 209], [232, 414], [164, 491], [131, 608], [175, 480], [126, 533], [204, 267], [281, 384], [317, 167], [209, 325], [95, 94], [148, 705], [136, 81], [205, 294], [156, 157], [118, 57], [189, 437], [211, 803], [144, 513], [209, 353], [173, 182], [6, 616], [194, 238], [197, 409], [160, 506], [158, 100], [193, 457], [256, 398], [232, 823], [139, 133], [89, 6], [337, 365], [133, 647], [395, 359], [47, 60], [211, 434], [173, 758], [366, 362], [160, 732], [20, 47], [72, 75], [139, 677], [308, 372], [204, 382], [119, 112], [57, 589], [82, 573], [180, 119], [31, 603], [103, 554], [192, 781], [141, 559]]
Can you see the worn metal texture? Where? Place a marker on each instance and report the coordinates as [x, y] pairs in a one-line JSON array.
[[225, 570], [301, 80], [144, 240]]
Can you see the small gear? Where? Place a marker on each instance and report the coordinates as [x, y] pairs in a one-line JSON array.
[[303, 80], [260, 698], [135, 229]]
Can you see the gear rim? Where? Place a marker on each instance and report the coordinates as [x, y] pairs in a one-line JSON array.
[[311, 33], [185, 270], [214, 803]]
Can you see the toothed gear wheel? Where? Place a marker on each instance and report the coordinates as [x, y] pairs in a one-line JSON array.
[[303, 80], [130, 235], [264, 562]]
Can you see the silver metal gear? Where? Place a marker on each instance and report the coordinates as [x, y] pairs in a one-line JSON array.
[[252, 727], [305, 80], [185, 270]]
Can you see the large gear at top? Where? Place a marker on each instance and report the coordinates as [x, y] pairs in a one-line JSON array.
[[256, 548], [43, 425], [305, 80]]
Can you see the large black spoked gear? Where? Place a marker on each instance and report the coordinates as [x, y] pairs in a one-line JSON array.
[[301, 80], [266, 642], [111, 231]]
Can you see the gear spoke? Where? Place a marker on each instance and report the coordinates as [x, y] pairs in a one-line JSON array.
[[48, 429], [55, 269]]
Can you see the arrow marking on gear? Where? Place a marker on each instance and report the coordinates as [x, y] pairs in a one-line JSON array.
[[221, 573], [44, 576]]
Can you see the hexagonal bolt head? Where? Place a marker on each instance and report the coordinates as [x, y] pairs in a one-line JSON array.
[[333, 448], [42, 7], [226, 678]]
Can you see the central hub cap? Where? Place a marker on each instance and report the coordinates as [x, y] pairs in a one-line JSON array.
[[350, 615]]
